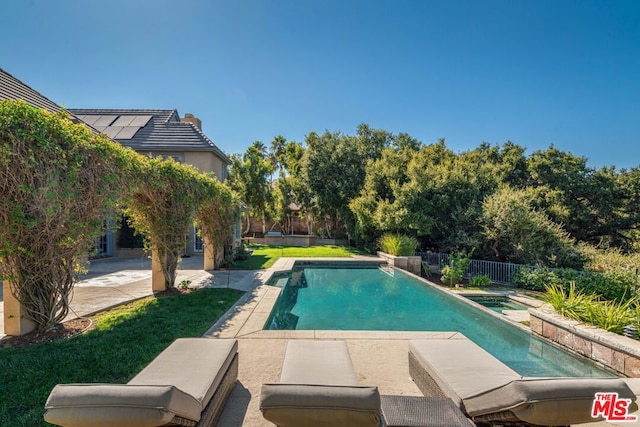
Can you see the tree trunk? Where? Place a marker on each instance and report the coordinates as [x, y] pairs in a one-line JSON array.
[[309, 224], [246, 231], [326, 228]]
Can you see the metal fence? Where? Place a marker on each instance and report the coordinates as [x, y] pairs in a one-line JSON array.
[[499, 272]]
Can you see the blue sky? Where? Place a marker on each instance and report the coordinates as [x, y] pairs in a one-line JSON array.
[[535, 72]]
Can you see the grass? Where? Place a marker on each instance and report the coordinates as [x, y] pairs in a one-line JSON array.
[[266, 256], [124, 341]]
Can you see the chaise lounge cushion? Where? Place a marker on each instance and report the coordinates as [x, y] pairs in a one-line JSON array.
[[459, 367], [319, 387], [109, 405], [547, 401], [194, 365], [320, 405], [318, 362], [487, 390], [180, 382]]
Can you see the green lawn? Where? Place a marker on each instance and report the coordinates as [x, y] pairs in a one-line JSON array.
[[124, 341], [266, 256]]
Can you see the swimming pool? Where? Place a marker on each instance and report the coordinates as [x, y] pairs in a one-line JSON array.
[[321, 298]]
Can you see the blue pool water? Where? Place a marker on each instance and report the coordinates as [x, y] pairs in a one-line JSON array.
[[374, 299], [496, 303]]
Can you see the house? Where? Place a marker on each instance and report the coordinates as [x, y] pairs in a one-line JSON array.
[[12, 88], [156, 133]]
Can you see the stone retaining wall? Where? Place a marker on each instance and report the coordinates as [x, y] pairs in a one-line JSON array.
[[412, 264], [619, 353]]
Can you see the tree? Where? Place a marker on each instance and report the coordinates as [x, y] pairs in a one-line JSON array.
[[277, 155], [249, 178], [379, 208], [430, 192], [281, 199], [334, 169], [562, 188], [628, 186], [58, 179], [517, 232]]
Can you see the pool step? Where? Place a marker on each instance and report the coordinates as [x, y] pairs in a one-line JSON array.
[[387, 270], [281, 283]]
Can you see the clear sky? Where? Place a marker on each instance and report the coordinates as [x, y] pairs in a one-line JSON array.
[[535, 72]]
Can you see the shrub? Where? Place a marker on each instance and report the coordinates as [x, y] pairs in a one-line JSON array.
[[569, 303], [480, 281], [535, 279], [426, 269], [612, 316], [613, 285], [455, 271], [241, 253], [398, 244]]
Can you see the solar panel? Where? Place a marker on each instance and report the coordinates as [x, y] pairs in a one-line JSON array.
[[126, 132], [123, 121], [100, 128], [112, 130], [105, 120], [90, 119], [140, 121]]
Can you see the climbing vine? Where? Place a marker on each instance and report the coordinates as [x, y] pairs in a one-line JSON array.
[[57, 180], [164, 206]]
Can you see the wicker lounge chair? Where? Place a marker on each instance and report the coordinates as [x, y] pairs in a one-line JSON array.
[[490, 392], [187, 385], [319, 387]]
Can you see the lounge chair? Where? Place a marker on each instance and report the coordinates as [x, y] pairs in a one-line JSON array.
[[490, 392], [319, 387], [187, 385]]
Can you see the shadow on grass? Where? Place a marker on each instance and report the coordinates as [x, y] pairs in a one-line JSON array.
[[254, 262], [124, 341]]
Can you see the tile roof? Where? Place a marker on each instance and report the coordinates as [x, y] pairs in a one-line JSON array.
[[12, 88], [162, 132], [150, 130]]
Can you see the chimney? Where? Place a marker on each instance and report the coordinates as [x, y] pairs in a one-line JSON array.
[[190, 118]]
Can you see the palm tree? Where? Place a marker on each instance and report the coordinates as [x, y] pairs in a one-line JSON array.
[[277, 156]]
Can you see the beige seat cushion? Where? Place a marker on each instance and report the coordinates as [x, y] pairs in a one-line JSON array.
[[547, 401], [111, 405], [194, 365], [460, 367], [482, 385], [179, 381], [320, 405], [318, 362], [319, 387]]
